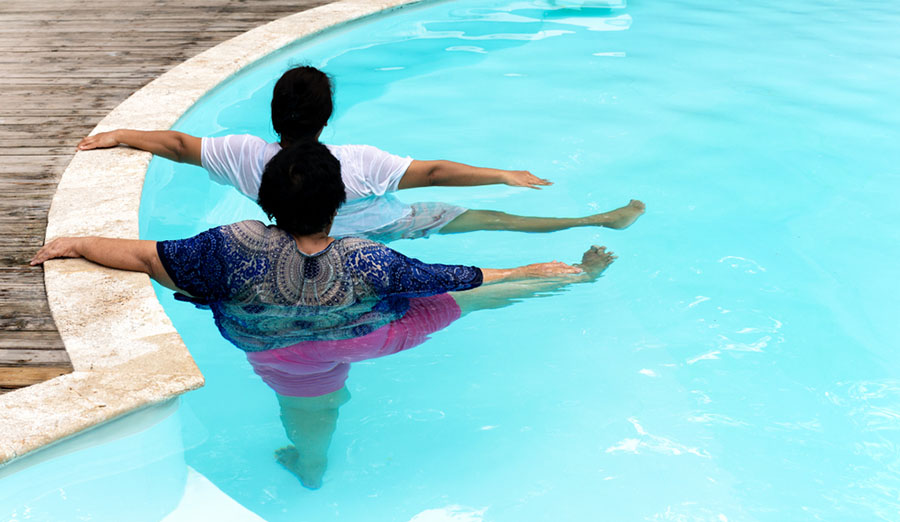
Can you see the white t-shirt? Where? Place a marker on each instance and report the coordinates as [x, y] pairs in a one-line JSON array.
[[368, 172]]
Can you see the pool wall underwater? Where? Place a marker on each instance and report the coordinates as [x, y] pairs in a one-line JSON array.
[[124, 350]]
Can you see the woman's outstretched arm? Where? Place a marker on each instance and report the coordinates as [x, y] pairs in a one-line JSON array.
[[451, 173], [173, 145], [546, 280], [134, 255], [535, 271]]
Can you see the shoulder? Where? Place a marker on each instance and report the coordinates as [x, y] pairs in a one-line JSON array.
[[237, 139], [358, 250], [233, 141], [358, 244], [250, 232], [368, 170], [254, 234], [233, 150], [231, 245], [250, 226]]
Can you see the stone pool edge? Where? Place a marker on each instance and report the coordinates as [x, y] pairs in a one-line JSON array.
[[124, 350]]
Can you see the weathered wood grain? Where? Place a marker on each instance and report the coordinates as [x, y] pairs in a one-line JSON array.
[[37, 340], [26, 375], [63, 66], [49, 357]]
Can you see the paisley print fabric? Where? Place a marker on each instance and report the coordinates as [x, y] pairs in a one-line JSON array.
[[264, 293]]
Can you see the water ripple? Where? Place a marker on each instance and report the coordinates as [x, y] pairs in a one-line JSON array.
[[653, 443]]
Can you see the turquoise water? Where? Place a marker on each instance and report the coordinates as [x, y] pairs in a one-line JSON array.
[[738, 362]]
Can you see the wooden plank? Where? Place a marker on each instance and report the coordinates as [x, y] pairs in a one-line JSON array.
[[67, 149], [23, 236], [20, 255], [172, 13], [13, 222], [33, 339], [15, 253], [35, 101], [33, 318], [26, 184], [9, 274], [12, 356], [29, 202], [77, 29], [26, 287], [62, 8], [20, 77], [51, 43], [137, 10], [87, 62], [24, 127], [57, 94], [49, 118], [30, 144], [21, 376], [24, 196]]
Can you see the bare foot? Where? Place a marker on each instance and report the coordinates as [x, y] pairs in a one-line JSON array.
[[596, 260], [310, 474], [621, 217]]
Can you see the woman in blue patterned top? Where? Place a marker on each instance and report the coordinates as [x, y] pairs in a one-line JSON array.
[[274, 286]]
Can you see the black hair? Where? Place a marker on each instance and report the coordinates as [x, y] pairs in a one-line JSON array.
[[301, 188], [301, 104]]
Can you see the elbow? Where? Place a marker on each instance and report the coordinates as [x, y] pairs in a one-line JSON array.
[[434, 176], [154, 268], [178, 149]]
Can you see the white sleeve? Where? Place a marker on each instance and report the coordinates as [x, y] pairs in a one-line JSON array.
[[236, 160], [368, 171]]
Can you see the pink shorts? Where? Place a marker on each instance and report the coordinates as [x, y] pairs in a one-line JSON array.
[[314, 368]]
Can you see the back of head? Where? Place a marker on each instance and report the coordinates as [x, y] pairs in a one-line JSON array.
[[301, 188], [301, 104]]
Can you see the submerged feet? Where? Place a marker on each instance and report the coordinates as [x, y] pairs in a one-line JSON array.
[[621, 217], [309, 473]]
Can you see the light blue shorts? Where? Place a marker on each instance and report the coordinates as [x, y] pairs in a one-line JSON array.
[[422, 220]]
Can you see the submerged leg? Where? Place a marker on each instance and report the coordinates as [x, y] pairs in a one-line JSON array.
[[309, 423], [472, 220]]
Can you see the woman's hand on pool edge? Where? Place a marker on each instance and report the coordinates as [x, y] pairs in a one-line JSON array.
[[59, 247], [172, 145], [133, 255], [103, 140]]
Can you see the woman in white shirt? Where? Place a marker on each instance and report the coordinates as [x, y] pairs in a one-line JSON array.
[[301, 107]]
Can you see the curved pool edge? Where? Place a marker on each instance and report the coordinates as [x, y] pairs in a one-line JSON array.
[[124, 350]]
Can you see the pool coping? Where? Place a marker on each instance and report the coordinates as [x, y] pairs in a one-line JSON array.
[[124, 350]]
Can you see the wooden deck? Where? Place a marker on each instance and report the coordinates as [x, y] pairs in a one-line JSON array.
[[63, 66]]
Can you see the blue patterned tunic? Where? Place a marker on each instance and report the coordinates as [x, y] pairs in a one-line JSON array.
[[265, 293]]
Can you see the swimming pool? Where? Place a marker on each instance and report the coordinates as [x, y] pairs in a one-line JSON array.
[[736, 363]]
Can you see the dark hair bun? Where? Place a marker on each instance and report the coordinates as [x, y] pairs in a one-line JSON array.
[[302, 188]]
